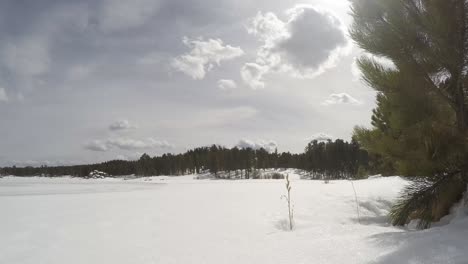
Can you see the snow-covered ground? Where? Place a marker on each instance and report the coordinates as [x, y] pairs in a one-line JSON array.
[[182, 220]]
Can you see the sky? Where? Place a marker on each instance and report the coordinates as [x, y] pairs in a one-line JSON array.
[[92, 80]]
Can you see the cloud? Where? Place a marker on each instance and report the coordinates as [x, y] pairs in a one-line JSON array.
[[315, 40], [227, 84], [127, 144], [203, 56], [306, 44], [341, 98], [355, 71], [131, 156], [3, 95], [252, 74], [97, 145], [384, 62], [121, 125], [131, 144], [268, 27], [27, 58], [131, 61], [320, 137], [117, 15], [268, 145]]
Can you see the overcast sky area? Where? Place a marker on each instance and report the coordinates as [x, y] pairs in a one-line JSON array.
[[92, 80]]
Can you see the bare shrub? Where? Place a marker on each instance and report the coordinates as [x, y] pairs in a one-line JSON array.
[[288, 200]]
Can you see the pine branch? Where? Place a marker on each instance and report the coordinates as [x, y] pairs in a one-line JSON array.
[[427, 200]]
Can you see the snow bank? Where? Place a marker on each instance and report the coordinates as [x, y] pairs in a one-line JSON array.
[[182, 220]]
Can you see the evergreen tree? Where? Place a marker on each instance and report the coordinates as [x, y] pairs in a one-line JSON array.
[[420, 123]]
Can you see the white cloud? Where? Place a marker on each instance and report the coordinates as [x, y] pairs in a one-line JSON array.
[[306, 44], [96, 145], [320, 137], [384, 62], [227, 84], [121, 125], [127, 144], [119, 15], [252, 74], [131, 156], [341, 98], [268, 145], [355, 71], [267, 27], [3, 95], [131, 144], [122, 157], [203, 56]]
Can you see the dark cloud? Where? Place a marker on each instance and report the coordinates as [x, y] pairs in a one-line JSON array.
[[314, 36], [306, 44]]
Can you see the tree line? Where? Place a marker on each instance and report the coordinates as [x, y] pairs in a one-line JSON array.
[[334, 159]]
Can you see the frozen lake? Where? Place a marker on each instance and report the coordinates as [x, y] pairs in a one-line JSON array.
[[182, 220]]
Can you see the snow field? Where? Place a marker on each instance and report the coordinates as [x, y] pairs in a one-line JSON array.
[[182, 220]]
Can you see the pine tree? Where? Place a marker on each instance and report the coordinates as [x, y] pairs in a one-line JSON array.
[[420, 124]]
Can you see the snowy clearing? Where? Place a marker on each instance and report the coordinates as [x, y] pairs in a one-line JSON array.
[[182, 220]]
